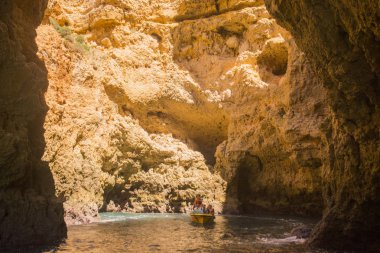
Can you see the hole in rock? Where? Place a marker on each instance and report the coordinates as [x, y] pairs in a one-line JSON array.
[[156, 37]]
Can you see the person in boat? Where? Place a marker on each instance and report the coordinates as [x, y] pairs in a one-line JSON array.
[[203, 208], [197, 202], [210, 210]]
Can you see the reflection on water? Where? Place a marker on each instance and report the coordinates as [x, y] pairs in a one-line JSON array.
[[175, 233]]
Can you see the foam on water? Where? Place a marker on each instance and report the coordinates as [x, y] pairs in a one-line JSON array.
[[113, 217], [280, 241]]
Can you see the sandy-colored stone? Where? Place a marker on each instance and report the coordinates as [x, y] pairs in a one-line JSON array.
[[151, 91], [94, 145], [142, 94], [272, 157], [162, 83]]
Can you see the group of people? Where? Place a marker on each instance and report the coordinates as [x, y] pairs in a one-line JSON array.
[[199, 207]]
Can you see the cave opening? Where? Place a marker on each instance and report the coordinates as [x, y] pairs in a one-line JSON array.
[[146, 111], [247, 172]]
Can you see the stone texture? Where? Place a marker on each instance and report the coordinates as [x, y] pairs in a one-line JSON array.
[[341, 40], [272, 158], [29, 211], [125, 121], [139, 103], [132, 104], [142, 95]]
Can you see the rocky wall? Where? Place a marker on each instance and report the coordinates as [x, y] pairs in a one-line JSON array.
[[274, 154], [341, 40], [140, 89], [29, 211], [125, 122], [143, 94]]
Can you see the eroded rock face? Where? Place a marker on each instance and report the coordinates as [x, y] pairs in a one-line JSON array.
[[125, 121], [141, 94], [29, 211], [341, 40], [273, 156]]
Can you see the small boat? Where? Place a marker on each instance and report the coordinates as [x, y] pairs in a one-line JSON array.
[[202, 218]]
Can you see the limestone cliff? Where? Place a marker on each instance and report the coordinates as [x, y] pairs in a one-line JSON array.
[[273, 156], [125, 120], [137, 105], [341, 40], [100, 154], [141, 95], [29, 211]]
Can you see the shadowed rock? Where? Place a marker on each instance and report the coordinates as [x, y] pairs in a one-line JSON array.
[[301, 232], [30, 213], [341, 40]]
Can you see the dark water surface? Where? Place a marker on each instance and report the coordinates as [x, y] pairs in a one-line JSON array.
[[120, 232], [175, 233]]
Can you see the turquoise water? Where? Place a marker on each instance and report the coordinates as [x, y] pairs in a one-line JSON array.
[[119, 232]]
